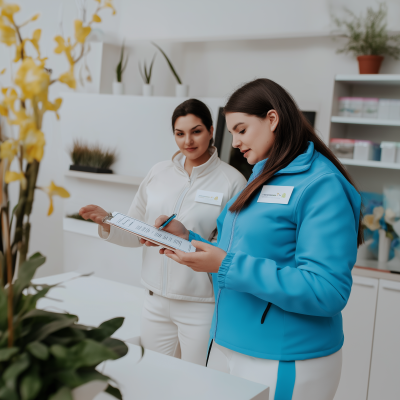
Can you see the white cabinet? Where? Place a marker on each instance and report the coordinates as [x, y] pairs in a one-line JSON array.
[[385, 367], [358, 326]]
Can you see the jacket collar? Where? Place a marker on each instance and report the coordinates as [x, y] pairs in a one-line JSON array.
[[203, 169], [301, 163]]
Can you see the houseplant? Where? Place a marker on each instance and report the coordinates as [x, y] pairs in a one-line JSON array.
[[43, 355], [91, 158], [181, 90], [382, 220], [146, 76], [368, 38], [118, 86]]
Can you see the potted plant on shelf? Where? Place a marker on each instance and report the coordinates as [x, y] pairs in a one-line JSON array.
[[43, 355], [91, 158], [181, 90], [146, 76], [118, 86], [383, 221], [368, 38]]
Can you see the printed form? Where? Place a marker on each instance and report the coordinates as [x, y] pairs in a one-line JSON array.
[[140, 228]]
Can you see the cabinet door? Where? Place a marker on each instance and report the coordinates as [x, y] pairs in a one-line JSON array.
[[384, 380], [358, 326]]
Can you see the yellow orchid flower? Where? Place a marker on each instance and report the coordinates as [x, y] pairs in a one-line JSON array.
[[8, 11], [8, 35], [32, 78], [96, 18], [3, 71], [81, 32], [68, 78], [12, 176], [33, 145], [371, 221], [10, 97], [53, 190], [35, 40], [19, 48], [8, 150], [54, 106], [110, 4], [63, 47]]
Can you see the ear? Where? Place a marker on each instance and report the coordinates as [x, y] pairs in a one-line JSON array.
[[212, 130], [273, 118]]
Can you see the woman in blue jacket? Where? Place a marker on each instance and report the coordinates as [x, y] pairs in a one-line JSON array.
[[286, 246]]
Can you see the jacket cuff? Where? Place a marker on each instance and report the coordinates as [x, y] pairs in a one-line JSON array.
[[224, 268], [193, 236]]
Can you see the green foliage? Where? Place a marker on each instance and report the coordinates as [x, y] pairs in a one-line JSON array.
[[169, 63], [92, 155], [146, 73], [368, 35], [79, 217], [122, 64], [52, 354]]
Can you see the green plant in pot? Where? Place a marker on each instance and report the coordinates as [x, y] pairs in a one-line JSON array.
[[43, 355], [118, 87], [91, 158], [368, 38], [146, 73]]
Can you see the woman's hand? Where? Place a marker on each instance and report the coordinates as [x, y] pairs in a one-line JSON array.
[[175, 227], [207, 258], [96, 214]]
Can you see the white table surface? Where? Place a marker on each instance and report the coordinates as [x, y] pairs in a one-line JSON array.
[[155, 376]]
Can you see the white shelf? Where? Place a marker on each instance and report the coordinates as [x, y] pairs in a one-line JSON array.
[[113, 178], [374, 164], [365, 121], [383, 79], [81, 227]]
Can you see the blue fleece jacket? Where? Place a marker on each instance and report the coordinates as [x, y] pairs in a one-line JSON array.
[[287, 273]]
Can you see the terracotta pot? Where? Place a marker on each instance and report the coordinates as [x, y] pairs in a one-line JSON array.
[[369, 64]]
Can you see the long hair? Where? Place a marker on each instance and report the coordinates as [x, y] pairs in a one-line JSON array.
[[291, 135]]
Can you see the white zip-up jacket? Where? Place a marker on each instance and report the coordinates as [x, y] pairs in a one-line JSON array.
[[168, 189]]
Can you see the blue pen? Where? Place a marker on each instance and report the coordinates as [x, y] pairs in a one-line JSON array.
[[167, 222]]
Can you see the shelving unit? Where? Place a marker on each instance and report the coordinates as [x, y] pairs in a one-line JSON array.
[[81, 227], [384, 79], [365, 121], [113, 178], [373, 164]]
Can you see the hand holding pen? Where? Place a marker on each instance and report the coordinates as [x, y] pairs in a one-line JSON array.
[[167, 222]]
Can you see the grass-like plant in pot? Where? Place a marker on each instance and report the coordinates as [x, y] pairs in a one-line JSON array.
[[43, 355], [368, 38], [118, 86], [146, 73], [91, 158]]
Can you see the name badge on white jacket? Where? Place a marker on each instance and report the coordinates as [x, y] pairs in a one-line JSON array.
[[275, 194], [203, 196]]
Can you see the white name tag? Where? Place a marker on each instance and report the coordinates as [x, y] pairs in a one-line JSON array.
[[203, 196], [275, 194]]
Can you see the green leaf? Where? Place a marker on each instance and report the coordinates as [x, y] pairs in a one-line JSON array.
[[106, 329], [31, 384], [113, 391], [59, 351], [8, 394], [7, 353], [89, 353], [62, 394], [169, 63], [52, 327], [117, 346], [17, 367], [38, 350]]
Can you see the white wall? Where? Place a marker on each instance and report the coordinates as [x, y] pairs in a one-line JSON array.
[[303, 60]]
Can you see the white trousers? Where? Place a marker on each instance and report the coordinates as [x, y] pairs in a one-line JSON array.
[[174, 326], [316, 379]]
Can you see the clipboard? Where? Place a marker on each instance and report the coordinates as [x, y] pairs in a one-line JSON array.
[[148, 232]]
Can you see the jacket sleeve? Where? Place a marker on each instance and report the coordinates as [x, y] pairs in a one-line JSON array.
[[326, 251], [137, 210]]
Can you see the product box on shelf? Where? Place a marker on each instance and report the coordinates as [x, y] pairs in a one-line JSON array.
[[366, 150], [370, 108], [388, 152], [342, 148], [389, 109]]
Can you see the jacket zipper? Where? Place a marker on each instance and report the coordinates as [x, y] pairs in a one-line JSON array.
[[165, 259], [219, 290], [265, 312]]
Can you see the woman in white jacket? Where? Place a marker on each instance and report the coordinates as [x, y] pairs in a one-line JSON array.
[[195, 185]]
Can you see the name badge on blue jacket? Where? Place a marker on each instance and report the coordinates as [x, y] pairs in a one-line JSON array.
[[275, 194]]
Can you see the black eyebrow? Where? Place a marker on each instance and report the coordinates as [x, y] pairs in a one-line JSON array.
[[180, 130], [239, 123]]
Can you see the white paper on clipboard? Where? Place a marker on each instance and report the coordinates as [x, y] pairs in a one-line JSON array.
[[148, 232]]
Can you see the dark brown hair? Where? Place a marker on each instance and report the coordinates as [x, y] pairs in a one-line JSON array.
[[197, 108], [291, 135]]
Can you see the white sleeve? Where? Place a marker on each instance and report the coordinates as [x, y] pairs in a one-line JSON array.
[[136, 210]]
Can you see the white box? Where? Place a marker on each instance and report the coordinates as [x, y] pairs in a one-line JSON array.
[[365, 150], [388, 152], [356, 107], [370, 108], [394, 109], [344, 106], [384, 108]]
